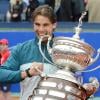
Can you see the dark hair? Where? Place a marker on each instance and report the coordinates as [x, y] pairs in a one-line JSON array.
[[45, 10]]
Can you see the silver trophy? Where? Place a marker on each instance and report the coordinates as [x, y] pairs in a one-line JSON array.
[[70, 55]]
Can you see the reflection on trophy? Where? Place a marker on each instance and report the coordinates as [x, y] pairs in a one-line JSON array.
[[71, 55]]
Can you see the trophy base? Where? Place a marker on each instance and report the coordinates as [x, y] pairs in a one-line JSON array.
[[60, 86]]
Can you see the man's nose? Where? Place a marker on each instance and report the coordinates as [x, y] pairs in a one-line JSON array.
[[41, 28]]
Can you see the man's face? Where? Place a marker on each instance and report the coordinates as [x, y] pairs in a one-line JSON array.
[[43, 26]]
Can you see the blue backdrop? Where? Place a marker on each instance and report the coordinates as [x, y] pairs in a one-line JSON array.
[[93, 38]]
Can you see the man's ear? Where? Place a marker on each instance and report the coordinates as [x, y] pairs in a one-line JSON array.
[[54, 25]]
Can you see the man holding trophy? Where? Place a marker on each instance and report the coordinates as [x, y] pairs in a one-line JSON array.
[[42, 78]]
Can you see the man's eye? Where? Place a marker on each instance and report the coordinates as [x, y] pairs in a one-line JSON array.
[[37, 24], [45, 24]]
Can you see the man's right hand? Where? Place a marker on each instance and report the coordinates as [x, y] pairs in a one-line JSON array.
[[36, 68]]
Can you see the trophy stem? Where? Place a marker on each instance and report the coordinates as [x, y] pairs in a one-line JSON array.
[[65, 75]]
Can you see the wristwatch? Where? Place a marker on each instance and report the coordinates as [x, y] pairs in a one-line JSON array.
[[27, 72]]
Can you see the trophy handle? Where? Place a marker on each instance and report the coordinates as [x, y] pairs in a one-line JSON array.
[[97, 56], [39, 43], [92, 61], [94, 81], [48, 46]]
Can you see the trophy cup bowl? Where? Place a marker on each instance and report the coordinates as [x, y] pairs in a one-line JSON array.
[[71, 53]]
